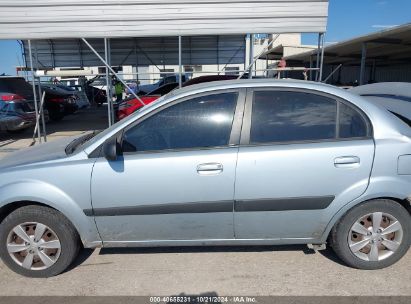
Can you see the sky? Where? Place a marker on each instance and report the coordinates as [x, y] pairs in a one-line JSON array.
[[347, 19]]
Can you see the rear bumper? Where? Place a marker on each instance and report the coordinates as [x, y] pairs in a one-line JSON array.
[[15, 123]]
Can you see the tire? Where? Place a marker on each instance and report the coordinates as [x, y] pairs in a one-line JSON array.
[[342, 235], [57, 225]]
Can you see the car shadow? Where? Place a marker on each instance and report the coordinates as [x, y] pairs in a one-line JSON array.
[[83, 255], [86, 253], [200, 249], [330, 254]]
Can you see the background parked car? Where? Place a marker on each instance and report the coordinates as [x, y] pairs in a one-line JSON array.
[[16, 114], [57, 102], [95, 90], [81, 97], [147, 88], [132, 104]]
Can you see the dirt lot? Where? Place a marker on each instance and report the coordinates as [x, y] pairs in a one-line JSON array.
[[286, 270]]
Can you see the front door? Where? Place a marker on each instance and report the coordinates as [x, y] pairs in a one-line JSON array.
[[302, 155], [175, 180]]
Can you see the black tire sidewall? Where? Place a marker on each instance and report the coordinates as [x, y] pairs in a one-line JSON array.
[[341, 231], [54, 220]]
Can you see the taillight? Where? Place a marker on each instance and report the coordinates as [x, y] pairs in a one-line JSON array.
[[11, 97], [57, 99]]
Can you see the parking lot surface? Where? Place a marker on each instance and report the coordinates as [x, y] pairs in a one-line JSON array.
[[281, 270], [288, 270]]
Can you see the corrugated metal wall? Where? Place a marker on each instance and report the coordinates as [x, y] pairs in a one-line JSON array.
[[196, 50], [351, 74], [43, 19]]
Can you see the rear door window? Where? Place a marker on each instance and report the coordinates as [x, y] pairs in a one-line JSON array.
[[280, 116], [291, 116]]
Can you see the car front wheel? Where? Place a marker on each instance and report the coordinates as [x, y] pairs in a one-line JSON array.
[[373, 235], [37, 241]]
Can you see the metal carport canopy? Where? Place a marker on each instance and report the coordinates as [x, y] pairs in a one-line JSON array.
[[388, 46], [48, 19], [196, 50]]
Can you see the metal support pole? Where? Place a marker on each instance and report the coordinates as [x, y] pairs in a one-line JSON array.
[[180, 67], [322, 57], [37, 126], [373, 70], [253, 60], [332, 73], [111, 84], [311, 66], [363, 58], [108, 84], [251, 57], [43, 122], [33, 83], [135, 54], [112, 71], [317, 62], [245, 52]]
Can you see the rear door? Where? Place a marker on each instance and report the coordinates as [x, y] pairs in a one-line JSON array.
[[303, 154]]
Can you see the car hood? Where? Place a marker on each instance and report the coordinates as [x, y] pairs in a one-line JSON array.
[[39, 153]]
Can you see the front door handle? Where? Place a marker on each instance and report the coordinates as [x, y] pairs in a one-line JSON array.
[[347, 162], [210, 168]]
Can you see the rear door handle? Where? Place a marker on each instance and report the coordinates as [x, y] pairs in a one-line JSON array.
[[209, 168], [347, 161]]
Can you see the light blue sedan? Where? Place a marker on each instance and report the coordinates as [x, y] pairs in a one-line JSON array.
[[247, 162]]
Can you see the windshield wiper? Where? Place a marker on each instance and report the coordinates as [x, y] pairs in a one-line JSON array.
[[71, 147]]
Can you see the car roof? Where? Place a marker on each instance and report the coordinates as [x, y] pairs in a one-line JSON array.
[[244, 83]]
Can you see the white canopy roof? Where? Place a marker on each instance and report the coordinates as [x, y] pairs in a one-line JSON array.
[[48, 19]]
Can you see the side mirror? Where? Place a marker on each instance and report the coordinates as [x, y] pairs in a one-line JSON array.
[[111, 149]]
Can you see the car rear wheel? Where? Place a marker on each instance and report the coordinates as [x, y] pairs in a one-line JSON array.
[[37, 241], [373, 235]]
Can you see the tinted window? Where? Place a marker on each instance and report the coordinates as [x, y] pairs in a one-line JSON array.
[[292, 116], [352, 124], [199, 122]]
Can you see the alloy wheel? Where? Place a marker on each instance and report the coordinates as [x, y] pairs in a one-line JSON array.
[[375, 236], [33, 246]]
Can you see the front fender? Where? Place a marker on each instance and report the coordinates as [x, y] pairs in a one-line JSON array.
[[50, 195]]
